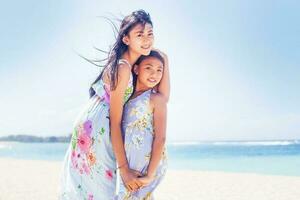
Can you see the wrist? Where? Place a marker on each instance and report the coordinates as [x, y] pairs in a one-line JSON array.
[[124, 168], [150, 175]]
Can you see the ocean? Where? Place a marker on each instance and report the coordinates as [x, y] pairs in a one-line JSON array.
[[280, 157]]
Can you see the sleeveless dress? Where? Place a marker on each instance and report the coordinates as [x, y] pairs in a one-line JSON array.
[[89, 167], [137, 129]]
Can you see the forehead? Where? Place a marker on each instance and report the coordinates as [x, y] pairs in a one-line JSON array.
[[141, 27], [152, 61]]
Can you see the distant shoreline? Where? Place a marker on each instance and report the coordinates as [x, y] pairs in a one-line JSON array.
[[35, 139], [65, 139]]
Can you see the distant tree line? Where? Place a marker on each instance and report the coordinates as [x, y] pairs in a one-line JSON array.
[[31, 138]]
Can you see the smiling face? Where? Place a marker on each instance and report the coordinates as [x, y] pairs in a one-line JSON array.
[[140, 39], [149, 72]]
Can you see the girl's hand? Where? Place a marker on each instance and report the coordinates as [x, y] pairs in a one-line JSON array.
[[146, 180], [129, 177]]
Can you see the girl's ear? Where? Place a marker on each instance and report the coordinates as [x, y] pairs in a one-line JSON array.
[[125, 40], [135, 69]]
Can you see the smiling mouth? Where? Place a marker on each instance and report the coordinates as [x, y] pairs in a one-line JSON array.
[[152, 80], [145, 47]]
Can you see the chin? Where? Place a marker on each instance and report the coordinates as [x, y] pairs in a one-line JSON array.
[[146, 52], [151, 85]]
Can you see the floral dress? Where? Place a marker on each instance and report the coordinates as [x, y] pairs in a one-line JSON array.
[[137, 129], [89, 167]]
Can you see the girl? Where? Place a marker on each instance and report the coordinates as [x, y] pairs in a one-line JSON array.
[[96, 147], [144, 128]]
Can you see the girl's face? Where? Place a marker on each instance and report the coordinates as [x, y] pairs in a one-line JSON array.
[[140, 39], [149, 72]]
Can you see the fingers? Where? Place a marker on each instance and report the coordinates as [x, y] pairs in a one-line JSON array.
[[128, 187], [143, 182], [134, 186], [139, 183]]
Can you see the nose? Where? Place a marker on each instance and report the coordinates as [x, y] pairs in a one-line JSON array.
[[152, 73], [147, 39]]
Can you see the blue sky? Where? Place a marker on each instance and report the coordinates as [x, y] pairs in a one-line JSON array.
[[234, 65]]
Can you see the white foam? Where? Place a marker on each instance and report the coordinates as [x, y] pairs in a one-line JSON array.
[[184, 143], [243, 143], [261, 143], [5, 146]]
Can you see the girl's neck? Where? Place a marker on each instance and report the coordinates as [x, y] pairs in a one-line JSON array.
[[130, 57], [140, 88]]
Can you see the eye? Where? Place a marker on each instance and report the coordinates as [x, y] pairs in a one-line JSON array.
[[159, 70], [148, 68], [150, 34], [139, 35]]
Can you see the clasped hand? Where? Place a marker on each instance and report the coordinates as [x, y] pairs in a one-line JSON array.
[[134, 180]]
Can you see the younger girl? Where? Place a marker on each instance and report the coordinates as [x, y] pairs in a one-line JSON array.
[[144, 128]]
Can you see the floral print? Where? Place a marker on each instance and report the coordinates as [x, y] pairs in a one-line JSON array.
[[89, 167], [84, 142], [128, 93], [137, 126], [109, 174]]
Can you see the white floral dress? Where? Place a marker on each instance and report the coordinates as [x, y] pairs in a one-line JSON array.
[[89, 167]]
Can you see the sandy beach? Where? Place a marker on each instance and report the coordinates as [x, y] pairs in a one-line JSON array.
[[36, 180]]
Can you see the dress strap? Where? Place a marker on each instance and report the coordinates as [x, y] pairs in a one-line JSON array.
[[124, 61]]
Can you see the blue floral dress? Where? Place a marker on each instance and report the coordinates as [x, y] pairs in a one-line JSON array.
[[137, 129], [89, 167]]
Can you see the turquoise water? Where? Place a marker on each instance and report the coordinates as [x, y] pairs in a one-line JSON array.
[[262, 157]]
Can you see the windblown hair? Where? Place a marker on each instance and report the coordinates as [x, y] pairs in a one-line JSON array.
[[118, 48]]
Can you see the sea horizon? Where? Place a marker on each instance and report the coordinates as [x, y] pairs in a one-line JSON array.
[[189, 141]]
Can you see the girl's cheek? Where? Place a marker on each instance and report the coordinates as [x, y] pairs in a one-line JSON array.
[[138, 40], [151, 39]]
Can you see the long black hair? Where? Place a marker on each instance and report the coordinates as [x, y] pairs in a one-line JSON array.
[[118, 48]]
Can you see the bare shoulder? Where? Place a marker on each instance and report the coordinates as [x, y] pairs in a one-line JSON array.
[[124, 67], [157, 100], [124, 70]]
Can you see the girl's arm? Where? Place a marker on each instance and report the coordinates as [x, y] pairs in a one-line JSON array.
[[164, 85], [116, 111], [160, 118]]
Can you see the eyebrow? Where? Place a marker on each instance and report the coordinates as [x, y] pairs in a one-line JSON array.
[[160, 66], [142, 31], [149, 64]]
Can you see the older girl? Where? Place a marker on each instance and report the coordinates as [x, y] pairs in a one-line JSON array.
[[96, 147]]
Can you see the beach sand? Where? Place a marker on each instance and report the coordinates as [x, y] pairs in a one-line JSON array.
[[38, 180]]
